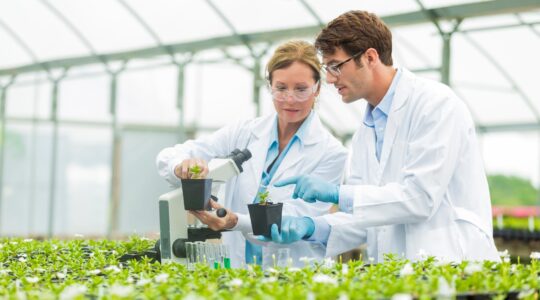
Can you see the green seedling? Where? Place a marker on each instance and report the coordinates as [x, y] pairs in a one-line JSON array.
[[195, 172], [264, 198], [81, 269]]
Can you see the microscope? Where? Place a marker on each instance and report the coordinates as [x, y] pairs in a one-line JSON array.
[[173, 223]]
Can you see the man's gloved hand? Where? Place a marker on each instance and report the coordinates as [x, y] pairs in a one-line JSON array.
[[311, 188], [293, 229]]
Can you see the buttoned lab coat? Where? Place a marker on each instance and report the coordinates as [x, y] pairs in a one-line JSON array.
[[429, 193], [319, 154]]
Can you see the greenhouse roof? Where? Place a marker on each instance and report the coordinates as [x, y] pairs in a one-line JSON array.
[[484, 67]]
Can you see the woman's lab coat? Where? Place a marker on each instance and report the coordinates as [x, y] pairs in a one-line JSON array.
[[319, 154], [429, 193]]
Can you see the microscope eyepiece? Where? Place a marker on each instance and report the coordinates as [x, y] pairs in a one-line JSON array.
[[246, 154], [239, 157]]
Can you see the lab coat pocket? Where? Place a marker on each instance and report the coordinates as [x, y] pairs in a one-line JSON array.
[[475, 235], [477, 245], [441, 241]]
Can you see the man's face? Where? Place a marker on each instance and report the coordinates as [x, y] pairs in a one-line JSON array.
[[353, 82]]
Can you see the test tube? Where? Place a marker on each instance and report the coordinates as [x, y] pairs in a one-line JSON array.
[[209, 250], [199, 246], [190, 254], [283, 256], [226, 258], [189, 251], [216, 248]]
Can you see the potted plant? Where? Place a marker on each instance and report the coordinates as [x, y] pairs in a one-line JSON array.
[[264, 214], [197, 190]]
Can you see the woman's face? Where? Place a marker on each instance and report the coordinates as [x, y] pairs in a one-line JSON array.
[[293, 91]]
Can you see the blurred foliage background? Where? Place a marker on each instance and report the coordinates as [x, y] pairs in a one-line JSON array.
[[512, 191]]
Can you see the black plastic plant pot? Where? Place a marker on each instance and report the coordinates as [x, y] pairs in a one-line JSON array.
[[197, 193], [263, 216], [511, 295]]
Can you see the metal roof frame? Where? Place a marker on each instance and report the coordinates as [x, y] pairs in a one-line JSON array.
[[455, 12]]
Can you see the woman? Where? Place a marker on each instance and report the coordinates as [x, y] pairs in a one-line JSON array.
[[289, 142]]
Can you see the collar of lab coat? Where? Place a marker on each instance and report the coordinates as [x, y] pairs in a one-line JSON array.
[[311, 135], [261, 131], [383, 108], [403, 91]]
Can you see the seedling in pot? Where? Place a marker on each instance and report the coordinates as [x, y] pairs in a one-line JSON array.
[[195, 172], [197, 190], [264, 214], [264, 198]]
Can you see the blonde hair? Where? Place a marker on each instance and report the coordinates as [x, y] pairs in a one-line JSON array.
[[294, 51]]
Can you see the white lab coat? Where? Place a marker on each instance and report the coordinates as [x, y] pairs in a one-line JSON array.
[[320, 154], [429, 193]]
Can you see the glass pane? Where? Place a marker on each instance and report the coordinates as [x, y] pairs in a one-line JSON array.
[[471, 67], [531, 17], [85, 99], [211, 100], [417, 47], [492, 107], [11, 53], [328, 10], [180, 21], [26, 180], [44, 30], [246, 16], [29, 99], [139, 206], [106, 24], [148, 96], [490, 21], [82, 180]]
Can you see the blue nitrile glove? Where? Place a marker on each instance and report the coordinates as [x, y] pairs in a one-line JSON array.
[[293, 229], [311, 188]]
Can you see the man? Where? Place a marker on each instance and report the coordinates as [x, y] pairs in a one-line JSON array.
[[417, 185]]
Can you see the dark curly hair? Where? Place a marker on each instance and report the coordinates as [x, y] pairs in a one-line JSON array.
[[356, 31]]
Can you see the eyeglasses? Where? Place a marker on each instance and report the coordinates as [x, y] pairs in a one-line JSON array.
[[334, 69], [299, 94]]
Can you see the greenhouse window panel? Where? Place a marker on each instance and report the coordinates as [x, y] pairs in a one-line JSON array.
[[246, 15], [46, 29], [14, 51], [329, 10], [107, 25], [175, 21]]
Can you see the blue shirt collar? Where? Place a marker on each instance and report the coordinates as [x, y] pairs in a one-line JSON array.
[[300, 133], [383, 109]]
